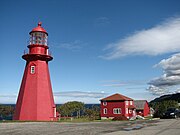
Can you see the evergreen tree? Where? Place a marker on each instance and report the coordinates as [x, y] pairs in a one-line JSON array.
[[69, 108], [161, 107]]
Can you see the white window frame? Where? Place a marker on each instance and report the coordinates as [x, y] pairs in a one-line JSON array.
[[104, 103], [117, 111], [130, 111], [105, 111], [32, 70], [130, 102], [127, 102], [126, 110]]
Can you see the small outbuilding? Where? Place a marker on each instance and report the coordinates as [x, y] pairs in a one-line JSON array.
[[117, 105], [142, 107]]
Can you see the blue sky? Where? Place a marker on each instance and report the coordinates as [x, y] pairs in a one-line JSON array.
[[100, 47]]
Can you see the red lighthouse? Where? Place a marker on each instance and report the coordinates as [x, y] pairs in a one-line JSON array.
[[35, 100]]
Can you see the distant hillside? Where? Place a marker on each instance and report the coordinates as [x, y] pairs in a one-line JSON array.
[[175, 97]]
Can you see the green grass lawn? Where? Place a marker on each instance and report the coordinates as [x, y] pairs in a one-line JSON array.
[[78, 120], [81, 120], [73, 120]]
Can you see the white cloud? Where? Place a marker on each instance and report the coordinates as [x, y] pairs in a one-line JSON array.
[[178, 90], [74, 45], [113, 85], [117, 83], [170, 80], [165, 80], [161, 39], [80, 94], [8, 98], [136, 88], [157, 90], [171, 64], [83, 96], [141, 95], [8, 95]]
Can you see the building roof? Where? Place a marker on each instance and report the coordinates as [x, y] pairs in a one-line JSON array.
[[139, 104], [131, 107], [116, 97], [39, 29]]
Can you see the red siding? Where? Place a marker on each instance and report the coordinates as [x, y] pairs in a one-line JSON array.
[[146, 111], [115, 104], [110, 106]]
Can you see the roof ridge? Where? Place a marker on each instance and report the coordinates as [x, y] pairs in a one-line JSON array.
[[116, 96]]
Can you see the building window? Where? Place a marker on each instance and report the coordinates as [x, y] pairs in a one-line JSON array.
[[130, 111], [126, 110], [32, 69], [117, 110], [126, 102], [105, 103], [105, 110], [130, 102]]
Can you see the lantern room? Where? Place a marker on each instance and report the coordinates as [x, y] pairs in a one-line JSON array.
[[38, 45], [38, 36]]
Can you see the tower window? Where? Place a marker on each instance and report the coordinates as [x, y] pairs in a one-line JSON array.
[[32, 69]]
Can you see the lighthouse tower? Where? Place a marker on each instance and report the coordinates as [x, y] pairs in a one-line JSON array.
[[35, 100]]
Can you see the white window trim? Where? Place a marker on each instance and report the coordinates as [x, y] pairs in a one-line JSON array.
[[104, 103], [117, 112], [126, 110], [105, 111], [130, 111], [32, 70], [130, 102], [127, 102]]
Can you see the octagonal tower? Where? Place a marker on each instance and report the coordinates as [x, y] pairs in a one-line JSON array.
[[35, 100]]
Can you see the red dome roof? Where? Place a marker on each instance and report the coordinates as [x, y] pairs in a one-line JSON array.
[[39, 29]]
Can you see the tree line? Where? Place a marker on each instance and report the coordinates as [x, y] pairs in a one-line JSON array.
[[69, 109], [6, 111], [162, 106], [78, 110]]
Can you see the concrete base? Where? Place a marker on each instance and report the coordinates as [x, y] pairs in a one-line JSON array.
[[105, 118]]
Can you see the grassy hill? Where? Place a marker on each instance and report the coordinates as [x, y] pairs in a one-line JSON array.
[[175, 97]]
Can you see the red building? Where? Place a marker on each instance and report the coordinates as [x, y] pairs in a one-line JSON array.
[[35, 99], [117, 105], [142, 108]]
